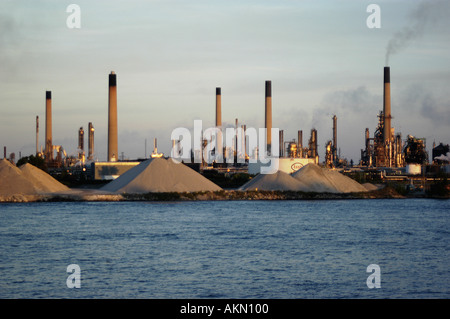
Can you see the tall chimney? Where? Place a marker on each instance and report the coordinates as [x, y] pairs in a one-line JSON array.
[[300, 143], [268, 117], [81, 139], [244, 131], [334, 138], [219, 144], [236, 141], [48, 126], [218, 107], [281, 136], [387, 105], [367, 135], [313, 143], [113, 153], [90, 141], [37, 135]]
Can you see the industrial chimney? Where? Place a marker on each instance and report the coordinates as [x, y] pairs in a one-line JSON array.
[[313, 145], [281, 137], [48, 126], [219, 144], [387, 106], [218, 107], [112, 119], [81, 139], [37, 135], [334, 138], [300, 143], [91, 141], [268, 116]]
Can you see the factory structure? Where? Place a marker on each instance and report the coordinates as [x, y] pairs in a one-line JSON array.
[[384, 151]]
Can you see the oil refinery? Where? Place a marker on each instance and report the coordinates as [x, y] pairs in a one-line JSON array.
[[385, 154]]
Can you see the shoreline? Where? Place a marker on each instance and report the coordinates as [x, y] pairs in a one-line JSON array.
[[80, 195]]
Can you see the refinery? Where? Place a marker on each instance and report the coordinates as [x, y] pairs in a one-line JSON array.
[[385, 157]]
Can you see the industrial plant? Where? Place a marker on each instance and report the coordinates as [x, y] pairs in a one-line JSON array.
[[385, 154]]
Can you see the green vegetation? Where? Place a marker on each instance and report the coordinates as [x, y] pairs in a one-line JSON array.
[[227, 180], [33, 160]]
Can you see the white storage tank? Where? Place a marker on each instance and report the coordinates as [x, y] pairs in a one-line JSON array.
[[413, 169]]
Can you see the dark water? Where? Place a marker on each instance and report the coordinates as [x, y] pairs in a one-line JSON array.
[[237, 249]]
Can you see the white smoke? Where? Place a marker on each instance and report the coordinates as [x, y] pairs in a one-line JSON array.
[[443, 157], [424, 15]]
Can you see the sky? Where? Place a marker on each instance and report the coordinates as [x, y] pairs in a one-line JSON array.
[[170, 55]]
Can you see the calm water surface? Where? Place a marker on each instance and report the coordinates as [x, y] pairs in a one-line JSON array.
[[236, 249]]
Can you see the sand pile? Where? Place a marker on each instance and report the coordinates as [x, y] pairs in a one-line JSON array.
[[26, 180], [310, 178], [43, 182], [324, 180], [160, 175], [12, 180], [279, 181]]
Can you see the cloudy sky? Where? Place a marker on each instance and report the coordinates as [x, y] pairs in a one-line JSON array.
[[170, 55]]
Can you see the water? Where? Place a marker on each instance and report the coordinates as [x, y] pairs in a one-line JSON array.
[[236, 249]]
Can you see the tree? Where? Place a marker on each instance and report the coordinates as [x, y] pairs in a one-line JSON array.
[[33, 160]]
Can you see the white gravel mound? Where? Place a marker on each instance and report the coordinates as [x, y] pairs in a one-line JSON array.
[[325, 180], [160, 175], [310, 178], [43, 182], [13, 182], [26, 180]]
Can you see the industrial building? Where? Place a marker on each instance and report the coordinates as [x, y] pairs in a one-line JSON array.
[[384, 150]]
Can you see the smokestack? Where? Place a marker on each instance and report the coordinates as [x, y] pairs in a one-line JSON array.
[[387, 105], [268, 116], [244, 131], [313, 143], [219, 145], [236, 141], [113, 152], [218, 107], [37, 135], [334, 137], [90, 141], [281, 134], [300, 143], [81, 139], [367, 135], [48, 126], [4, 152]]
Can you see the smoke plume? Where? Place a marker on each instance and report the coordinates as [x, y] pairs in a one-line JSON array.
[[427, 13], [443, 157]]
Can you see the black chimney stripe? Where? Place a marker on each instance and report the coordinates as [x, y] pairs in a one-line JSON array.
[[112, 80], [268, 89], [48, 95], [218, 91], [387, 75]]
